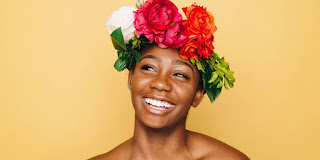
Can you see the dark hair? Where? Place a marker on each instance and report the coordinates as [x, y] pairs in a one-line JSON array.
[[141, 51]]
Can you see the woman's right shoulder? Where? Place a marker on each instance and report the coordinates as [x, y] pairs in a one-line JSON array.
[[206, 147], [119, 152]]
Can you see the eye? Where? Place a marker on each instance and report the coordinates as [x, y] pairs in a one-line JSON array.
[[147, 68], [181, 76]]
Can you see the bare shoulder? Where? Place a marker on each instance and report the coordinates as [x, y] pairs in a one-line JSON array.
[[119, 152], [207, 148]]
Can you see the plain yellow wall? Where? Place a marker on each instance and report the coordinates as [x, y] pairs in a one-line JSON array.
[[61, 98]]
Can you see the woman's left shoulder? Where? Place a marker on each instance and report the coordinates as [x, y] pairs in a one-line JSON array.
[[208, 148]]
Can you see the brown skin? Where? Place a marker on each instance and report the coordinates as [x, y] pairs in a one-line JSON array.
[[163, 75]]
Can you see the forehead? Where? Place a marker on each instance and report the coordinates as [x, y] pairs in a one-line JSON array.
[[166, 54], [169, 56]]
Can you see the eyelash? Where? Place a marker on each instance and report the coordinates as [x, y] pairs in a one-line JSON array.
[[181, 75], [148, 68]]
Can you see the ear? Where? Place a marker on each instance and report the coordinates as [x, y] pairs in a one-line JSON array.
[[130, 78], [198, 97]]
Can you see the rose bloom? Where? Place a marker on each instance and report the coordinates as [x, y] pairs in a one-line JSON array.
[[123, 18], [200, 47], [206, 46], [200, 21], [205, 52], [189, 50], [176, 36], [155, 17]]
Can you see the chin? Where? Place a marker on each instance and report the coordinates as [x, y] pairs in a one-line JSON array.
[[153, 122]]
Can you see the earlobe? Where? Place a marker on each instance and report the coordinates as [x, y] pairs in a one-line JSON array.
[[198, 97]]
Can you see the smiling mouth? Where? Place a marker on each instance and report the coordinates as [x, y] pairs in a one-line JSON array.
[[157, 104]]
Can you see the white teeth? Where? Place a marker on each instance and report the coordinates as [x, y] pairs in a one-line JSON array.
[[159, 104], [167, 105]]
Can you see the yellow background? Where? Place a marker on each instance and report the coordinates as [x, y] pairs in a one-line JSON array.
[[62, 99]]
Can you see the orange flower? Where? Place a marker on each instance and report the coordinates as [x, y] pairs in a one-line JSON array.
[[201, 47], [200, 21], [189, 50]]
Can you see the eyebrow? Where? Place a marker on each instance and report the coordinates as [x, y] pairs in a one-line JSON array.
[[174, 62], [178, 62], [152, 57]]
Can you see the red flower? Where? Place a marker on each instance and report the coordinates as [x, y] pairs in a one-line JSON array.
[[189, 50], [206, 46], [201, 27], [201, 47], [200, 21], [155, 17]]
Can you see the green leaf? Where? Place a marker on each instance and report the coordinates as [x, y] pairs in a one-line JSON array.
[[217, 80], [214, 76], [120, 64], [219, 85], [211, 96], [220, 73], [193, 61], [229, 75], [215, 56], [200, 67], [129, 60], [135, 41], [139, 3], [223, 63], [120, 53], [211, 63], [136, 54], [217, 92], [230, 83], [226, 84], [204, 80], [213, 93], [118, 40]]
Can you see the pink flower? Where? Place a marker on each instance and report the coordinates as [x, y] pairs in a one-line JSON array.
[[176, 36], [155, 17], [142, 26]]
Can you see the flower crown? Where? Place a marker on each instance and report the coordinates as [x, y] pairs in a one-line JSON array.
[[158, 21]]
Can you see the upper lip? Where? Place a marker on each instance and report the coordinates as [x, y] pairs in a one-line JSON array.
[[160, 99]]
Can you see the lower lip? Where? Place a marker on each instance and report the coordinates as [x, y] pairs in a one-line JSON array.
[[154, 110]]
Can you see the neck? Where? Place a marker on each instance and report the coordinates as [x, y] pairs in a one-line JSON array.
[[153, 143]]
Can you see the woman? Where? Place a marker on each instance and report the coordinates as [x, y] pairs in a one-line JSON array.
[[164, 83]]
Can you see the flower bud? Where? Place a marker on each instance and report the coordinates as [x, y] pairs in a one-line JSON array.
[[139, 3]]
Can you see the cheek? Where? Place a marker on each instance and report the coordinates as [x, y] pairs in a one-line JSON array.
[[139, 86], [186, 93], [138, 82]]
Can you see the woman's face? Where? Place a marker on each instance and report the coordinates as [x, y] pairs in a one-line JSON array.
[[163, 87]]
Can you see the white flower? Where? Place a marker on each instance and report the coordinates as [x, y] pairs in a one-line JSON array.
[[124, 18]]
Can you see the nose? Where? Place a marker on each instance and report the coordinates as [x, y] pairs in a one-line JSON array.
[[161, 82]]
